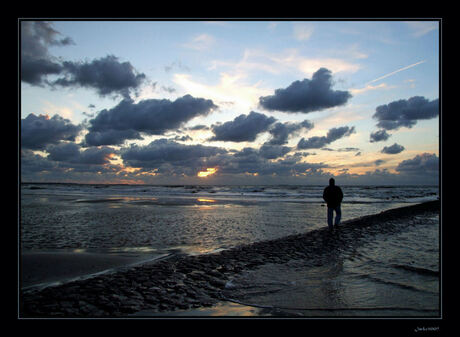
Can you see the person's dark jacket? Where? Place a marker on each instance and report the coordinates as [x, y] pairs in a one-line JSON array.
[[333, 196]]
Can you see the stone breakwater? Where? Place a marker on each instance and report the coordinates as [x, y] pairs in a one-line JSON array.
[[184, 282]]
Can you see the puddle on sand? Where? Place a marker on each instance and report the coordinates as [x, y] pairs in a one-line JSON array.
[[222, 309]]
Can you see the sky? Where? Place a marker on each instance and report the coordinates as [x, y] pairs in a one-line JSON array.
[[230, 102]]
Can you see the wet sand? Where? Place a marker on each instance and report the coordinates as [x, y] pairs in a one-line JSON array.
[[185, 285], [40, 269]]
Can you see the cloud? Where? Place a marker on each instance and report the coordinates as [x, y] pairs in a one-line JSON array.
[[36, 62], [303, 31], [201, 42], [332, 135], [344, 149], [393, 149], [281, 131], [370, 87], [32, 163], [420, 28], [288, 61], [230, 88], [107, 75], [169, 155], [379, 136], [405, 113], [198, 127], [70, 153], [268, 151], [424, 163], [252, 161], [110, 137], [128, 120], [39, 131], [307, 95], [183, 138], [243, 128]]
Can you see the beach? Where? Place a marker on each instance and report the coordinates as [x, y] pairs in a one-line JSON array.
[[378, 265]]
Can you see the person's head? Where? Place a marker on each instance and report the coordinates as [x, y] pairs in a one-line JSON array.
[[331, 182]]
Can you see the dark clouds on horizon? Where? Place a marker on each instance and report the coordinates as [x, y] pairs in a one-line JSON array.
[[306, 95], [70, 153], [39, 131], [422, 164], [164, 151]]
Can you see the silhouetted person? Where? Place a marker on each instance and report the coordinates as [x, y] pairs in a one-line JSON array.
[[333, 196]]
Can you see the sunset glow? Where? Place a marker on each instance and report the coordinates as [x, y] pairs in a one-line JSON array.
[[206, 173], [205, 200]]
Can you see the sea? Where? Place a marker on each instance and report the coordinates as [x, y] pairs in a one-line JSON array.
[[395, 274]]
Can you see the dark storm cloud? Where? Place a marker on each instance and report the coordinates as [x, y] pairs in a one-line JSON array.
[[36, 62], [306, 95], [422, 164], [332, 135], [39, 131], [242, 128], [33, 163], [405, 113], [110, 137], [250, 160], [153, 116], [268, 151], [107, 75], [63, 152], [169, 157], [393, 149], [95, 156], [163, 151], [379, 135], [70, 153], [281, 131]]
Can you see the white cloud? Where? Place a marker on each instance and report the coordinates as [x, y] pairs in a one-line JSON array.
[[311, 65], [231, 88], [288, 60], [200, 42], [370, 87], [303, 31], [64, 111], [420, 28]]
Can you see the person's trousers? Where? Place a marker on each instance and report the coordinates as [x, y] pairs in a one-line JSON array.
[[330, 216]]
